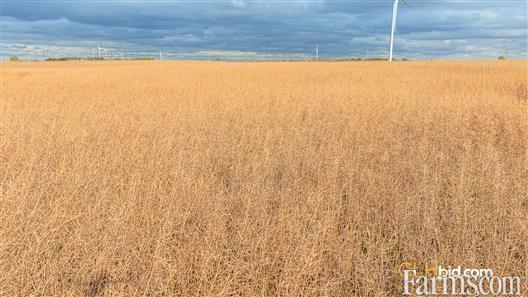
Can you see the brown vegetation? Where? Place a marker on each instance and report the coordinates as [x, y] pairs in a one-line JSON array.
[[229, 179]]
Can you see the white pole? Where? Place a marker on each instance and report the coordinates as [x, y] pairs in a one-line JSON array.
[[393, 29], [98, 49], [317, 51], [161, 56]]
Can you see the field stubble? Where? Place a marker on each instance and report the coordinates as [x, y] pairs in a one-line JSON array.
[[217, 179]]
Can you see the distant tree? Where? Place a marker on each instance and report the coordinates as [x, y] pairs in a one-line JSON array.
[[64, 59], [502, 58], [13, 59]]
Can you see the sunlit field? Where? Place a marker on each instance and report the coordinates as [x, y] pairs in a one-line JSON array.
[[258, 179]]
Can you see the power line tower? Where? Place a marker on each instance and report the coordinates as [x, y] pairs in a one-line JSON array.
[[44, 55]]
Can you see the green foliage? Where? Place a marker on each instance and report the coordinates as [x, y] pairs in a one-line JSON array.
[[502, 58], [378, 59], [13, 59], [64, 59]]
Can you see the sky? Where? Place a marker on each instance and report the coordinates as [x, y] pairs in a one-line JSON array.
[[264, 29]]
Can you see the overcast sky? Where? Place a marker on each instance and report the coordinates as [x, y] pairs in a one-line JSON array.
[[260, 29]]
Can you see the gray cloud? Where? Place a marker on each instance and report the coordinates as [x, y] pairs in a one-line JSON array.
[[266, 29]]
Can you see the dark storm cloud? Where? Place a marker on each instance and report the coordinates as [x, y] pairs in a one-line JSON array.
[[426, 29]]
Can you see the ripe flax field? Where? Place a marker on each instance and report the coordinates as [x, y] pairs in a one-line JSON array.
[[258, 179]]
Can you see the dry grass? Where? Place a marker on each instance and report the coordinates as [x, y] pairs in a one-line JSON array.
[[228, 179]]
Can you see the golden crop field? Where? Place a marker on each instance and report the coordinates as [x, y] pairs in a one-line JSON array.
[[258, 179]]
